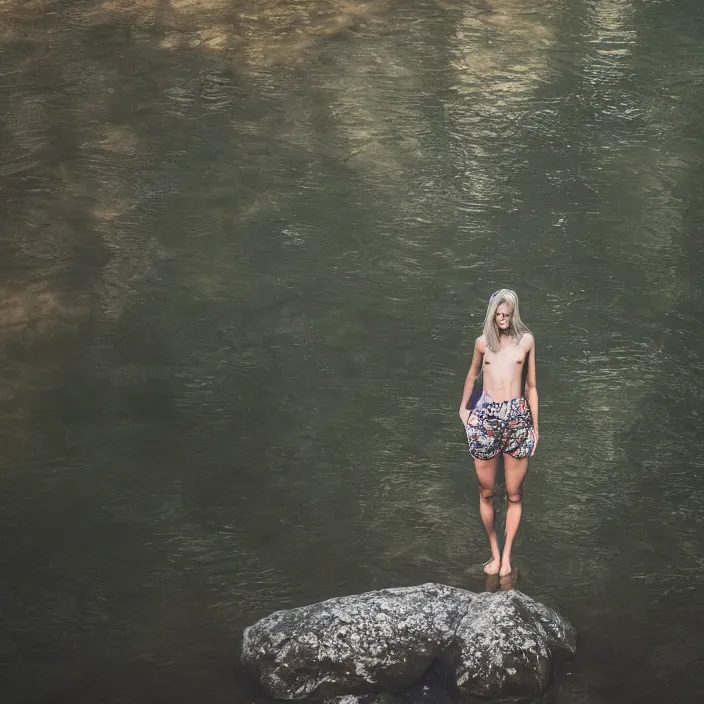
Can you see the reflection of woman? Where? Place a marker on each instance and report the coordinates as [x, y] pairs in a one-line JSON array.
[[500, 419]]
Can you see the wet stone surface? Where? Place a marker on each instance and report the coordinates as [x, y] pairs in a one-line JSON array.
[[490, 645]]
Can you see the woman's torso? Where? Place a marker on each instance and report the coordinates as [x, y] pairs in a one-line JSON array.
[[504, 371]]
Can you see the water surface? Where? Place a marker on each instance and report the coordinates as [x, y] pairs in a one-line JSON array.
[[246, 249]]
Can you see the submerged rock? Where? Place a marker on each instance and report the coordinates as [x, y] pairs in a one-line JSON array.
[[489, 645]]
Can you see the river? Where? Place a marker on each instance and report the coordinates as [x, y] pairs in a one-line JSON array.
[[245, 249]]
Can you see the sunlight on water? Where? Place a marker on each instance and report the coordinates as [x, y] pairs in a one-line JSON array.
[[246, 250]]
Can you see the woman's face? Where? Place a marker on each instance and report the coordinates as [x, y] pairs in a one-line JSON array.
[[503, 316]]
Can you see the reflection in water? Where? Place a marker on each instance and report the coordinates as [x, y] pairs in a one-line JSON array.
[[246, 247], [287, 34], [613, 38], [499, 56], [368, 120]]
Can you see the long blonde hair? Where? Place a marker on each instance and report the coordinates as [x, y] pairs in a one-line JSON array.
[[517, 328]]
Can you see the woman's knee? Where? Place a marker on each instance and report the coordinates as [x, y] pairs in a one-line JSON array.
[[486, 493]]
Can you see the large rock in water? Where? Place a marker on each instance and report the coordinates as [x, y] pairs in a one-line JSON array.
[[372, 642], [490, 645]]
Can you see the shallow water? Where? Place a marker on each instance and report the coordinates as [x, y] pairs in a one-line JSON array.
[[246, 249]]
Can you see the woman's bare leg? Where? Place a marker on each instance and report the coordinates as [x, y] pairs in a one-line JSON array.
[[486, 475], [515, 474]]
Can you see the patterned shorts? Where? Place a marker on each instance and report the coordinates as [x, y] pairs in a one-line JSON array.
[[504, 426]]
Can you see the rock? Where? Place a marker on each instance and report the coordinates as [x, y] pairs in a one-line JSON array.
[[372, 642], [504, 646], [561, 637], [349, 649]]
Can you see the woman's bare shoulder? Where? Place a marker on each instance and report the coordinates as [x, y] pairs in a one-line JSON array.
[[480, 343], [527, 340]]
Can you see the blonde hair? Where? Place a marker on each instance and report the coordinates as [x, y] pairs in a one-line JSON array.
[[516, 329]]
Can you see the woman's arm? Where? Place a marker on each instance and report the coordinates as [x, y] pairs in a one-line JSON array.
[[532, 390], [471, 378]]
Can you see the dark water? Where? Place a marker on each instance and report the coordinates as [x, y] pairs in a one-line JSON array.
[[245, 250]]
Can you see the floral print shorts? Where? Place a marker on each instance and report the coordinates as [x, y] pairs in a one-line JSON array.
[[503, 426]]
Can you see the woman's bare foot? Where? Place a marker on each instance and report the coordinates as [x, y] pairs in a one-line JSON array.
[[493, 566], [505, 568]]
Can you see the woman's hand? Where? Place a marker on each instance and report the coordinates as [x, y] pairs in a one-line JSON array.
[[464, 416], [536, 437]]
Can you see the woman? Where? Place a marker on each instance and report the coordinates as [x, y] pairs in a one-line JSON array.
[[500, 419]]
